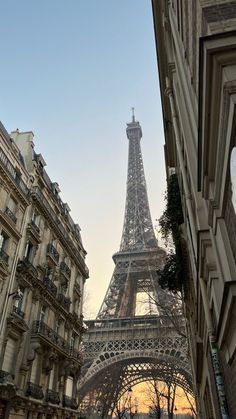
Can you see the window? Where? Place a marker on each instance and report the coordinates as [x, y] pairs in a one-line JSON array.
[[29, 251], [57, 327], [49, 271], [35, 218], [9, 361], [69, 387], [233, 176], [4, 240], [72, 342], [20, 299], [43, 314], [12, 204]]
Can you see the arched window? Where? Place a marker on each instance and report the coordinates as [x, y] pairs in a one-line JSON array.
[[233, 176]]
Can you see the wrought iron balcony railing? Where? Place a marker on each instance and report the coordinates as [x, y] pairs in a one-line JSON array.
[[42, 329], [52, 397], [4, 256], [74, 353], [5, 162], [34, 390], [6, 377], [52, 251], [69, 402], [50, 286], [18, 311], [11, 215], [65, 269], [64, 301]]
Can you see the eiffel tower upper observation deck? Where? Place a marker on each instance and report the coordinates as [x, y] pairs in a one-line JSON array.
[[124, 346]]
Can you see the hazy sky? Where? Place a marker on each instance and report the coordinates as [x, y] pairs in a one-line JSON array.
[[70, 71]]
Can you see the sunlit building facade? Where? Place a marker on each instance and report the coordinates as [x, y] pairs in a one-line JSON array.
[[196, 49], [42, 273]]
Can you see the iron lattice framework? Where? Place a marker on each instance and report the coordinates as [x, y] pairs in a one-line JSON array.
[[121, 348]]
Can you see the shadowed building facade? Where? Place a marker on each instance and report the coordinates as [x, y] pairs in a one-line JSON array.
[[42, 276], [196, 49]]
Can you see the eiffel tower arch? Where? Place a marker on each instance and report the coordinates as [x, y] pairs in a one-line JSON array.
[[122, 347]]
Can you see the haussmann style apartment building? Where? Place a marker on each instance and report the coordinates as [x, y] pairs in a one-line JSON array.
[[42, 276], [196, 50]]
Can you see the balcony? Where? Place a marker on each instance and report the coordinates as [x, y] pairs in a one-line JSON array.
[[34, 230], [6, 377], [64, 268], [50, 286], [18, 311], [43, 330], [34, 390], [11, 215], [52, 397], [53, 253], [69, 402], [74, 353], [3, 256], [25, 266], [64, 301]]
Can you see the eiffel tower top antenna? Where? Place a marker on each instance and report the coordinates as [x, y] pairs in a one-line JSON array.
[[133, 116]]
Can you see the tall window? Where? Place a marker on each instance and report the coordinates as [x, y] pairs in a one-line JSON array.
[[4, 240], [72, 342], [29, 251], [9, 361], [20, 300], [35, 218], [12, 205], [233, 176], [43, 314], [57, 327]]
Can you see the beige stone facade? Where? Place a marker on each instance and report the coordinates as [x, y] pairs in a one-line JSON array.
[[196, 48], [42, 276]]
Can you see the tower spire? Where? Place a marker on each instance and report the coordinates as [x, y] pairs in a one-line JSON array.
[[133, 116]]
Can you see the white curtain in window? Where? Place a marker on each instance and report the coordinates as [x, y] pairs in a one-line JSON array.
[[51, 378], [69, 386]]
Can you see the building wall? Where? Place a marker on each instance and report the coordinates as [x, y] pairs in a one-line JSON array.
[[42, 271], [196, 47]]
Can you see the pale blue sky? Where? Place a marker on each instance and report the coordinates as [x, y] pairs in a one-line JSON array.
[[70, 71]]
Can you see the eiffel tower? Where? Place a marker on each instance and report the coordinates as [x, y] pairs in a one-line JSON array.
[[123, 347]]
